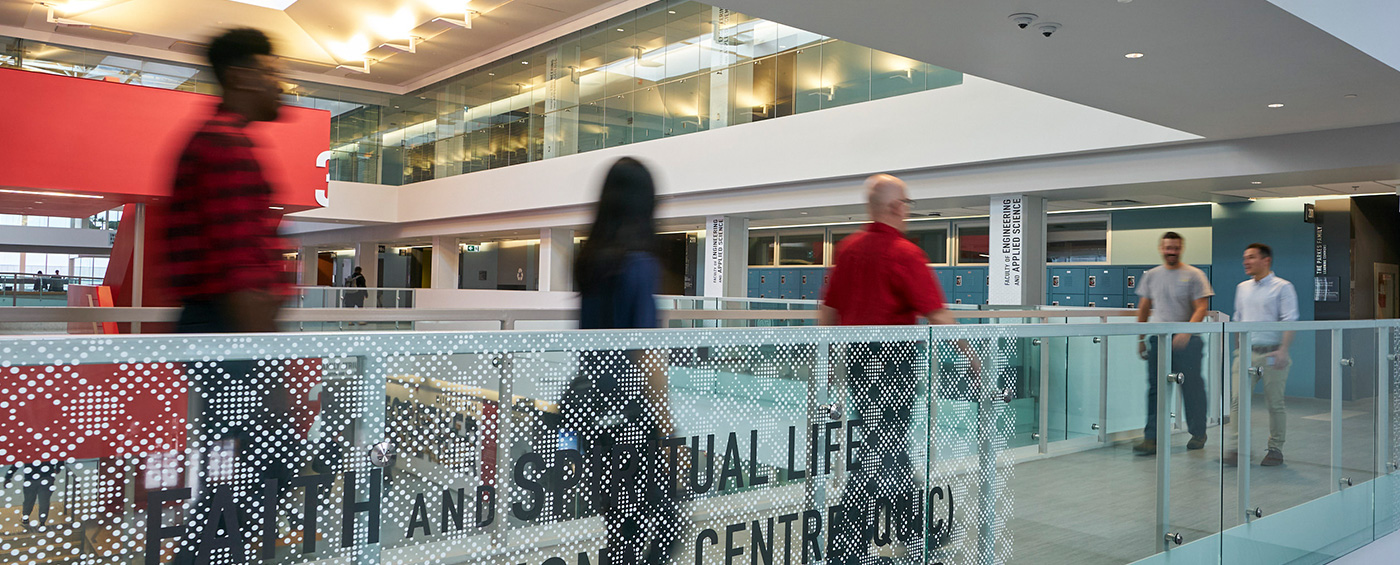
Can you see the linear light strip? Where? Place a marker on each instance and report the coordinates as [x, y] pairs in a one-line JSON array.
[[42, 193]]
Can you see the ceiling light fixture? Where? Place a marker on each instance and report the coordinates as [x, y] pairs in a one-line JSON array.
[[361, 69], [1134, 55], [1256, 182], [45, 193], [464, 23], [1275, 105], [272, 4], [412, 46], [62, 21]]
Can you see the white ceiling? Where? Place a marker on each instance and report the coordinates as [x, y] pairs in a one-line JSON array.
[[1211, 67], [315, 36]]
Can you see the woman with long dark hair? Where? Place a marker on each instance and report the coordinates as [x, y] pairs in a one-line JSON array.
[[617, 403]]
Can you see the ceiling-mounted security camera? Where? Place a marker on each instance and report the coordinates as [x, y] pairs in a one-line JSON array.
[[1022, 20], [1048, 29]]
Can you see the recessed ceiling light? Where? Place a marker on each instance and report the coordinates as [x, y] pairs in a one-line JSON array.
[[1255, 182], [1134, 55], [1275, 105], [492, 74], [1349, 96], [620, 29], [524, 62], [670, 11]]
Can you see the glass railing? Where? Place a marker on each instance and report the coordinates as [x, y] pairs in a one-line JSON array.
[[352, 297], [539, 447], [33, 289]]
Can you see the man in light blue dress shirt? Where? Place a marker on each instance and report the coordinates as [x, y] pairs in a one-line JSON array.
[[1264, 298]]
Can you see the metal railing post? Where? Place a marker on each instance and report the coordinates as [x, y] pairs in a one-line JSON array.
[[1044, 395], [1336, 412], [1383, 455], [1103, 385], [1245, 392], [1164, 437]]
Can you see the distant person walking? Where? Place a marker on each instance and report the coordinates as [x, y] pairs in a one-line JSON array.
[[356, 298], [881, 278], [618, 402], [1174, 292], [37, 482], [1264, 297]]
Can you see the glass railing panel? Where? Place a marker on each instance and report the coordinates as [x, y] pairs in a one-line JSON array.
[[1095, 505], [1388, 438], [1315, 405], [486, 447], [969, 429], [1127, 385], [1190, 443]]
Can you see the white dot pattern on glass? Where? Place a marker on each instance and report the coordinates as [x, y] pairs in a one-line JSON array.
[[562, 427]]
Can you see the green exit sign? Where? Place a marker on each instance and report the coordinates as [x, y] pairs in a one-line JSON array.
[[470, 248]]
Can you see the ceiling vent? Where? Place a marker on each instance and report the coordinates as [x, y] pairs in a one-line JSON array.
[[1118, 202]]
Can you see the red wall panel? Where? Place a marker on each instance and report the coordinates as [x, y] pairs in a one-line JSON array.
[[122, 141]]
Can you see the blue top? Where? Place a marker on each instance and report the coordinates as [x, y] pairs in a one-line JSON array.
[[627, 300]]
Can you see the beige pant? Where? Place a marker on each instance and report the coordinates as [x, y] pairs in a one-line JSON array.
[[1274, 380]]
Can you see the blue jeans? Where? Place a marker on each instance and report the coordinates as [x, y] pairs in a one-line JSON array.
[[1187, 361]]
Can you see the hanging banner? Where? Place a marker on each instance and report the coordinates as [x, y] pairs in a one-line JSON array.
[[1007, 261], [714, 255]]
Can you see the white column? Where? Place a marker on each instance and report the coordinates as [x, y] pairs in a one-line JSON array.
[[367, 259], [1016, 267], [309, 260], [446, 258], [726, 256], [556, 259]]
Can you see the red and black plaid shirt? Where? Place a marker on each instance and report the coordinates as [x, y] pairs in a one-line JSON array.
[[222, 233]]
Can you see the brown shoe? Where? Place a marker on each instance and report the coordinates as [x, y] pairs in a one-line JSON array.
[[1197, 442], [1146, 447], [1231, 459], [1273, 458]]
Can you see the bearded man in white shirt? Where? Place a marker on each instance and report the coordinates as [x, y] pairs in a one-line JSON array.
[[1264, 298]]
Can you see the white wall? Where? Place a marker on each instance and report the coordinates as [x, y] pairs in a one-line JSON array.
[[1139, 247], [974, 122]]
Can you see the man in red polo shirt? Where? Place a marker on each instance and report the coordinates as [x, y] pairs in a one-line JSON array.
[[881, 279]]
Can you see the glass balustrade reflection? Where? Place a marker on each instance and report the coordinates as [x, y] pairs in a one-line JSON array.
[[448, 447]]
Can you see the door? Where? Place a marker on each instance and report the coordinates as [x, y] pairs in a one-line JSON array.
[[1387, 291]]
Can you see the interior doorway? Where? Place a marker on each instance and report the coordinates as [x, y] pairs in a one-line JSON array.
[[1387, 292]]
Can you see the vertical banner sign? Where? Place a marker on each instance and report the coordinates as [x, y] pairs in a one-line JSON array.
[[1006, 266], [714, 255]]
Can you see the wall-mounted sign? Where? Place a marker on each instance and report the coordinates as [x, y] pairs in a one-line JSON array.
[[471, 248], [714, 255], [1006, 266]]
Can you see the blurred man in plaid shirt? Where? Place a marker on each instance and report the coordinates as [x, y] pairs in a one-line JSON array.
[[226, 267], [224, 252]]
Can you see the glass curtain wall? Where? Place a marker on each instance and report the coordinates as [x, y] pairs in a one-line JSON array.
[[671, 68]]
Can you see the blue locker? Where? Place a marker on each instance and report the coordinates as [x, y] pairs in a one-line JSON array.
[[811, 281], [1065, 281], [1068, 300], [969, 298], [1103, 280], [1105, 301], [1131, 276], [768, 283], [970, 280], [753, 282], [789, 283], [945, 278]]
